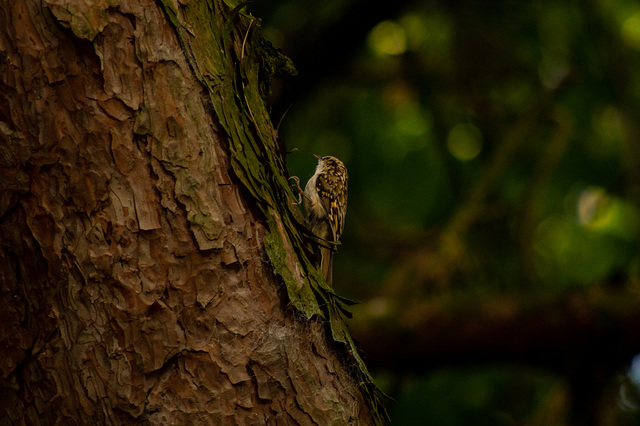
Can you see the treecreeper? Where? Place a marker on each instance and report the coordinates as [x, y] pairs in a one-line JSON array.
[[325, 205]]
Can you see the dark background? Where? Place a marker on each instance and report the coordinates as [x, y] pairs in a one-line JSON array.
[[494, 157]]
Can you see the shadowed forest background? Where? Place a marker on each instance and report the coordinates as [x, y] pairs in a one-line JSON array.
[[493, 220]]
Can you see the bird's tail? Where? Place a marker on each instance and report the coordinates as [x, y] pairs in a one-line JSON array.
[[326, 264]]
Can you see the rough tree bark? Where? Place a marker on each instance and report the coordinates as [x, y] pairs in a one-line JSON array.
[[150, 266]]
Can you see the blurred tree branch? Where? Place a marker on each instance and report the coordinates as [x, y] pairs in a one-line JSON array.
[[586, 336], [597, 325], [556, 147]]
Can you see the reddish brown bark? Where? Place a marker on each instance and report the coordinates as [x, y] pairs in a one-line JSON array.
[[135, 286]]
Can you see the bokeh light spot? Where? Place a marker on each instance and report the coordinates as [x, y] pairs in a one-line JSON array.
[[388, 38], [412, 122], [604, 213], [553, 238], [631, 31], [464, 141], [593, 205], [608, 127], [552, 71]]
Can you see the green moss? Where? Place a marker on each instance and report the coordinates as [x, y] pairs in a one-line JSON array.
[[236, 65], [300, 293]]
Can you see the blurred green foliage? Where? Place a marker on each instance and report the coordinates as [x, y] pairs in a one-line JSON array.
[[501, 138], [491, 396]]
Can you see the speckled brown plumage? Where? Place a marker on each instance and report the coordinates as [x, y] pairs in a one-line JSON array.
[[325, 204]]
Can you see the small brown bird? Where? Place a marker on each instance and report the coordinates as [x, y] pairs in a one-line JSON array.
[[325, 204]]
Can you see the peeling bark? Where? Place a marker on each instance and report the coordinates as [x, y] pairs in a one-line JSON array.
[[134, 280]]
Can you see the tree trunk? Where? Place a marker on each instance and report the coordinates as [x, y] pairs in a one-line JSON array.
[[151, 269]]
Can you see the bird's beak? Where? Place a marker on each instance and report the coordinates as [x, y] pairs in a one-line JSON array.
[[317, 156]]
